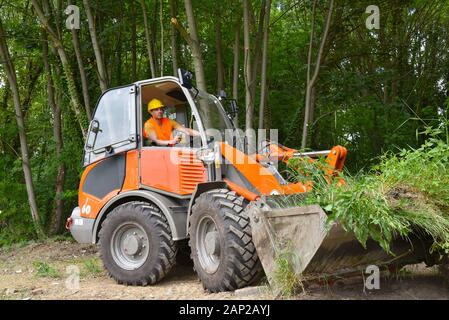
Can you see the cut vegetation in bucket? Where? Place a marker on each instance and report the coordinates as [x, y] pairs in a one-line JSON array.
[[405, 193], [395, 215]]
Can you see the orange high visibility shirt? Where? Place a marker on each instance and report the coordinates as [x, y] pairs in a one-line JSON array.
[[163, 132]]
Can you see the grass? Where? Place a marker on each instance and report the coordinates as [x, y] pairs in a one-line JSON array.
[[287, 282], [92, 266], [399, 274], [44, 270], [405, 193]]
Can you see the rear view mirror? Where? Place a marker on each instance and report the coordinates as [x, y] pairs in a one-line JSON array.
[[234, 108], [230, 105], [95, 126], [93, 132], [185, 77], [222, 95]]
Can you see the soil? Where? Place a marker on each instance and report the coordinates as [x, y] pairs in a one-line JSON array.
[[48, 270]]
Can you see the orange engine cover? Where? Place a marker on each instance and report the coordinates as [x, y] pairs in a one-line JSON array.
[[171, 169]]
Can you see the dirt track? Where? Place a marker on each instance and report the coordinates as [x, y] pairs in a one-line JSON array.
[[38, 271]]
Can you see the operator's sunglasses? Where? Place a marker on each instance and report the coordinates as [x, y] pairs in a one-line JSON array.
[[157, 109]]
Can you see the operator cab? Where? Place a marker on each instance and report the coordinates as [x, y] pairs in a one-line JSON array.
[[120, 114], [177, 108]]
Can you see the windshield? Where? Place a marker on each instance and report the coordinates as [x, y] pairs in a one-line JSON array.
[[211, 112]]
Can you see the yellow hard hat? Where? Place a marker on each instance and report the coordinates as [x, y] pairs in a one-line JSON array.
[[155, 104]]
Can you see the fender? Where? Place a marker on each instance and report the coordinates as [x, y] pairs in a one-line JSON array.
[[175, 214], [201, 188]]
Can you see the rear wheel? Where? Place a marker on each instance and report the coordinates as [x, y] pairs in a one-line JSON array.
[[223, 253], [136, 244]]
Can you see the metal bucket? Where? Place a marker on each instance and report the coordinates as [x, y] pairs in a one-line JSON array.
[[318, 250]]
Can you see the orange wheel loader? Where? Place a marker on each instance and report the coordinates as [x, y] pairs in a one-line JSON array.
[[139, 202]]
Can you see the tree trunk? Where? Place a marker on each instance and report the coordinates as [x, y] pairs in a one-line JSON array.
[[79, 59], [312, 82], [309, 64], [235, 76], [312, 36], [57, 44], [33, 75], [196, 50], [147, 37], [174, 43], [12, 80], [102, 76], [218, 48], [263, 89], [58, 11], [257, 52], [249, 103], [248, 75], [267, 113], [153, 34], [57, 134], [162, 38], [118, 48], [133, 44]]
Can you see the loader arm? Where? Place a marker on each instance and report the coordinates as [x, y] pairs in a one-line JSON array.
[[335, 158]]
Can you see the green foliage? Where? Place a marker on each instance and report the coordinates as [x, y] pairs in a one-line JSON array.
[[376, 89], [93, 266], [405, 193], [15, 218], [44, 270], [286, 282]]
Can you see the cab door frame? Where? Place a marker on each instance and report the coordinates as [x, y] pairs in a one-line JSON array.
[[139, 117], [105, 166]]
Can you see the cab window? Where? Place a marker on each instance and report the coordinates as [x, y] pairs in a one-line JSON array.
[[113, 128]]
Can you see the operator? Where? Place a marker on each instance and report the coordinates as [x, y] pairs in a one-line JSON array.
[[160, 129]]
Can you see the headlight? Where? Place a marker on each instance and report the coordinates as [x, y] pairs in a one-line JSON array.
[[206, 155]]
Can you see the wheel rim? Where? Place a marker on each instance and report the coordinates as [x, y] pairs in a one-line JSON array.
[[208, 243], [130, 246]]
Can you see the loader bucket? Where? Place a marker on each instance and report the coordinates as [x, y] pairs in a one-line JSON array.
[[318, 250]]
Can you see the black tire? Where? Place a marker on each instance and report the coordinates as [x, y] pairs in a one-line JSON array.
[[154, 241], [235, 263]]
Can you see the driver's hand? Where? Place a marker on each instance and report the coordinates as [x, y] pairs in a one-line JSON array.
[[176, 140]]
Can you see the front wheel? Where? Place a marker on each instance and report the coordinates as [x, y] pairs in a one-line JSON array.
[[223, 253], [136, 244]]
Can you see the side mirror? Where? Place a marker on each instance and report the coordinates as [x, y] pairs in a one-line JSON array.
[[222, 95], [234, 108], [95, 126], [185, 77], [93, 132], [231, 104]]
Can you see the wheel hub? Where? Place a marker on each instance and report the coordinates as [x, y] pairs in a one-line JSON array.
[[212, 243], [132, 245], [208, 242]]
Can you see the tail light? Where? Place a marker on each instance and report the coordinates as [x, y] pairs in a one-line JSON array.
[[68, 223]]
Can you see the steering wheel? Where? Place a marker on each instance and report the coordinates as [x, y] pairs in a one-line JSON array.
[[210, 139], [264, 147]]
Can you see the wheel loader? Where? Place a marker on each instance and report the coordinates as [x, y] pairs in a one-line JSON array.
[[140, 202]]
